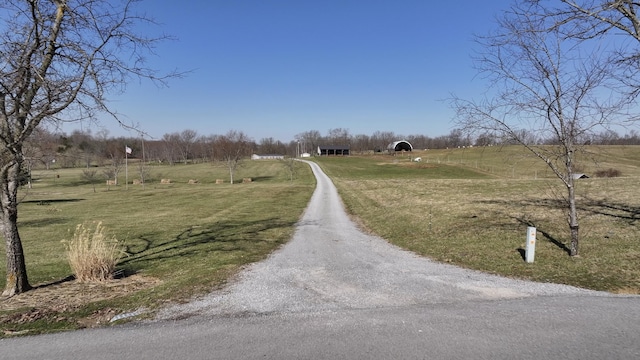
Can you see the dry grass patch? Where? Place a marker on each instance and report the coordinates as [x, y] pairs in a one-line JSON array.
[[63, 305], [93, 254], [73, 294]]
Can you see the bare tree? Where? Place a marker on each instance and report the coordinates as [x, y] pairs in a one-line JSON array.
[[144, 172], [338, 137], [382, 139], [171, 146], [592, 18], [232, 149], [291, 165], [59, 58], [614, 21], [91, 176], [361, 143], [271, 146], [542, 83], [44, 146], [486, 139], [185, 143], [84, 145], [309, 140], [204, 148], [112, 172]]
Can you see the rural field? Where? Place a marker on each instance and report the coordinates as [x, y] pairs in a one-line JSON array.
[[180, 239], [468, 207], [471, 207]]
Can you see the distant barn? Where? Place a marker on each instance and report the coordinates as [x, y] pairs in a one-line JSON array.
[[333, 150], [401, 145]]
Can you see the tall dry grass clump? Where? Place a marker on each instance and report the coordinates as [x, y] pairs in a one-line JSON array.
[[92, 254]]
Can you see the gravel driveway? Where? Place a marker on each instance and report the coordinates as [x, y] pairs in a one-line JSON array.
[[330, 265]]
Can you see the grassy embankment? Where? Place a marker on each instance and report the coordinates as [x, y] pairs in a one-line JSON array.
[[471, 207]]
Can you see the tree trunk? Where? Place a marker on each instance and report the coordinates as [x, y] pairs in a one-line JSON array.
[[573, 219], [231, 166], [17, 281]]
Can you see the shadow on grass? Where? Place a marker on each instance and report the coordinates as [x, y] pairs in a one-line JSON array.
[[225, 236], [612, 209], [56, 282], [43, 222], [261, 178], [75, 183], [546, 235], [618, 210], [45, 202], [544, 203], [119, 274]]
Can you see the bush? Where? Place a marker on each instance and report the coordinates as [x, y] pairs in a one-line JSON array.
[[608, 173], [92, 254]]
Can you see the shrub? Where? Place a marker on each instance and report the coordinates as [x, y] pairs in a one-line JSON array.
[[608, 173], [92, 254]]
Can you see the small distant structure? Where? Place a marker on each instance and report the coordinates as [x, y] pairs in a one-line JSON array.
[[401, 145], [267, 157], [333, 150], [580, 176], [305, 155]]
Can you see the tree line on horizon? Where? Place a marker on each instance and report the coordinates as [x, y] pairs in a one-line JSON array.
[[82, 148]]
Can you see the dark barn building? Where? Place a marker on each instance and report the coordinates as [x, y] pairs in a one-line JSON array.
[[333, 150]]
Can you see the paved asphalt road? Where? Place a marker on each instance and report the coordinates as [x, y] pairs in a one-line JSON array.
[[335, 293]]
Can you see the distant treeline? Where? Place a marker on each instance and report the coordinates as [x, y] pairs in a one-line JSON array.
[[83, 148]]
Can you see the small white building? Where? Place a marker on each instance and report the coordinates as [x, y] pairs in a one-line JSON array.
[[577, 176], [267, 157]]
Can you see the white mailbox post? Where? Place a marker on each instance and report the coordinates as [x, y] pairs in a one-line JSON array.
[[530, 249]]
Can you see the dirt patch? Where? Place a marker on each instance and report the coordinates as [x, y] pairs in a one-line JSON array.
[[51, 301]]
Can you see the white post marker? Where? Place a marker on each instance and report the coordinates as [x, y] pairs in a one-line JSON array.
[[530, 249], [127, 151]]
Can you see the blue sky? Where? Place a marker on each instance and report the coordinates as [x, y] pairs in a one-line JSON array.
[[279, 68]]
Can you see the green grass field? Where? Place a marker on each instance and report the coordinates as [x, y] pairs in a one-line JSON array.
[[191, 237], [163, 224], [469, 207], [438, 209]]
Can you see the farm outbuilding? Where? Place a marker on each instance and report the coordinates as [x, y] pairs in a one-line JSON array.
[[268, 156], [580, 176], [401, 145], [333, 150]]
